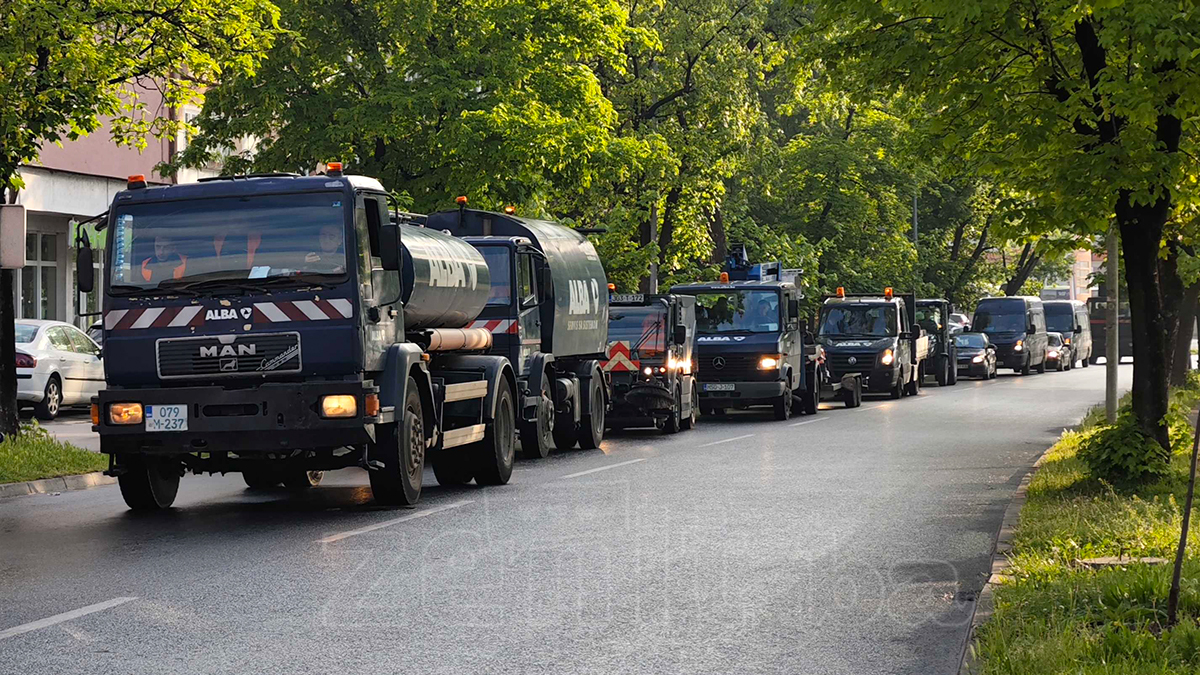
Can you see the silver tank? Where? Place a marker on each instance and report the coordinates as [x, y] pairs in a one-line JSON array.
[[446, 280]]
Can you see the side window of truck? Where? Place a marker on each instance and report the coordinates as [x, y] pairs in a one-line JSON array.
[[525, 278], [371, 207]]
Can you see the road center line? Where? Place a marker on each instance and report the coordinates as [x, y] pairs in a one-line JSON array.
[[394, 521], [727, 440], [800, 424], [603, 468], [65, 616]]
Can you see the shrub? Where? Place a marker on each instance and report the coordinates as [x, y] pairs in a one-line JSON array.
[[1122, 452]]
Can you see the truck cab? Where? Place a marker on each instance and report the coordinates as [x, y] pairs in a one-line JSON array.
[[933, 316], [651, 362], [751, 349], [877, 337], [548, 314], [280, 326]]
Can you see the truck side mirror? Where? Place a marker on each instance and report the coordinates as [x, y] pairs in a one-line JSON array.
[[1078, 330], [389, 246], [1032, 328], [916, 332], [84, 273], [793, 308], [680, 335]]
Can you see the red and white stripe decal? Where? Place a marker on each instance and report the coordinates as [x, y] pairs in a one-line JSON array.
[[620, 358], [193, 315], [496, 326], [302, 310], [154, 317]]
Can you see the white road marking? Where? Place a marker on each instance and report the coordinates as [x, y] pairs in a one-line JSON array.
[[727, 440], [65, 616], [603, 468], [800, 424], [395, 521]]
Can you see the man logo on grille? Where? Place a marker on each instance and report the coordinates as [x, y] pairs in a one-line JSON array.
[[719, 362]]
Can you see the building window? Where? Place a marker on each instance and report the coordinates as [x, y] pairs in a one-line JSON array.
[[38, 286]]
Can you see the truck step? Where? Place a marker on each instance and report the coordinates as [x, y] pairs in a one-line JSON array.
[[463, 436], [465, 391]]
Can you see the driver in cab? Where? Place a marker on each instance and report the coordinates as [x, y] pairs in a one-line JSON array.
[[166, 263]]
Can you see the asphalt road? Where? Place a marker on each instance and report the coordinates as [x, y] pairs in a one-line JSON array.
[[852, 541]]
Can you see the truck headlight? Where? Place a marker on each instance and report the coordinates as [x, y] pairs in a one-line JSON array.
[[125, 413], [888, 357], [647, 371], [1019, 346], [339, 405], [978, 358], [769, 362]]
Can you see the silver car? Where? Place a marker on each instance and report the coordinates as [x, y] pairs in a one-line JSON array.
[[57, 365]]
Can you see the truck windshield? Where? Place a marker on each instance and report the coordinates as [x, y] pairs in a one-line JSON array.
[[235, 239], [858, 321], [737, 312], [1000, 317], [644, 325], [1060, 319], [500, 269]]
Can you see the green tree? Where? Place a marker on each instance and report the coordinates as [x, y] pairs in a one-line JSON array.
[[1079, 104], [65, 65]]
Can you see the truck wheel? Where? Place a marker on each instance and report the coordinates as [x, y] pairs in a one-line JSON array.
[[492, 458], [898, 387], [450, 467], [564, 432], [1041, 368], [693, 415], [260, 479], [810, 402], [675, 420], [1087, 362], [302, 480], [47, 409], [591, 425], [942, 374], [783, 406], [149, 483], [952, 377], [401, 447], [1024, 370], [537, 436], [852, 396]]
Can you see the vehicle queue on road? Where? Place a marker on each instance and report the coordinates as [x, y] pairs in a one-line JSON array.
[[333, 332]]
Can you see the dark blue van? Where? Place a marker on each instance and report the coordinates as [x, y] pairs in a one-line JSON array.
[[1017, 327]]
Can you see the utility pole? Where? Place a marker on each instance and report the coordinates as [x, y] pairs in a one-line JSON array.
[[1112, 347]]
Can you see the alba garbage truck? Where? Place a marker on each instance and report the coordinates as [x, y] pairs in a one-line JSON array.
[[281, 326], [548, 314]]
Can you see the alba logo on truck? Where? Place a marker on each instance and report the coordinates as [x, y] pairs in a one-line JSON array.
[[585, 298], [227, 350], [221, 314]]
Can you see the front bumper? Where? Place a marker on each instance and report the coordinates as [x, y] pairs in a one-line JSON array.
[[972, 369], [742, 393], [876, 380], [268, 418], [1015, 360]]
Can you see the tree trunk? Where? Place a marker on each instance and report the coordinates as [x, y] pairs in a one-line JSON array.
[[9, 424], [646, 235], [1024, 268], [1141, 228], [1181, 362], [716, 230], [670, 214], [1173, 596]]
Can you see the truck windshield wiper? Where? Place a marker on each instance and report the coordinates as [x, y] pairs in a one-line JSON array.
[[131, 291], [646, 334], [262, 285]]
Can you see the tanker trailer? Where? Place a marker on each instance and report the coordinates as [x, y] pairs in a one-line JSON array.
[[547, 312]]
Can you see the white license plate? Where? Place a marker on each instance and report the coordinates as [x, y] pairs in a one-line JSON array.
[[718, 387], [162, 417]]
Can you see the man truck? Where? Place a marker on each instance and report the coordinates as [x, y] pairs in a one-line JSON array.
[[548, 314], [651, 361], [281, 326]]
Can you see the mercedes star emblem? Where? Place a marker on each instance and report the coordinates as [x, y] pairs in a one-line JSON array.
[[719, 362]]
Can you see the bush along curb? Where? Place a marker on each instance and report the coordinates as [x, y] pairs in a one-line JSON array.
[[60, 484]]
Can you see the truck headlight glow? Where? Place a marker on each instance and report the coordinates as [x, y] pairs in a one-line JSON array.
[[1019, 346], [339, 405], [647, 371], [978, 358], [125, 413], [769, 362], [888, 357]]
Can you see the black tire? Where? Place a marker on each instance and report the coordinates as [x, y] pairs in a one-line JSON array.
[[851, 397], [592, 425], [693, 415], [47, 409], [493, 457], [148, 483], [564, 432], [674, 422], [1088, 361], [302, 479], [538, 436], [810, 402], [450, 467], [897, 391], [942, 374], [952, 378], [261, 479], [914, 386], [783, 406], [1041, 368], [1024, 370], [400, 446]]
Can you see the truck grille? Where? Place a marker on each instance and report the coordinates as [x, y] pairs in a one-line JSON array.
[[208, 356], [733, 368], [839, 362]]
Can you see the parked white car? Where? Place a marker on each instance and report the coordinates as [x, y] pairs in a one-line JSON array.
[[57, 365]]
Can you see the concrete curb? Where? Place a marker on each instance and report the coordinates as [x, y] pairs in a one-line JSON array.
[[60, 484]]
